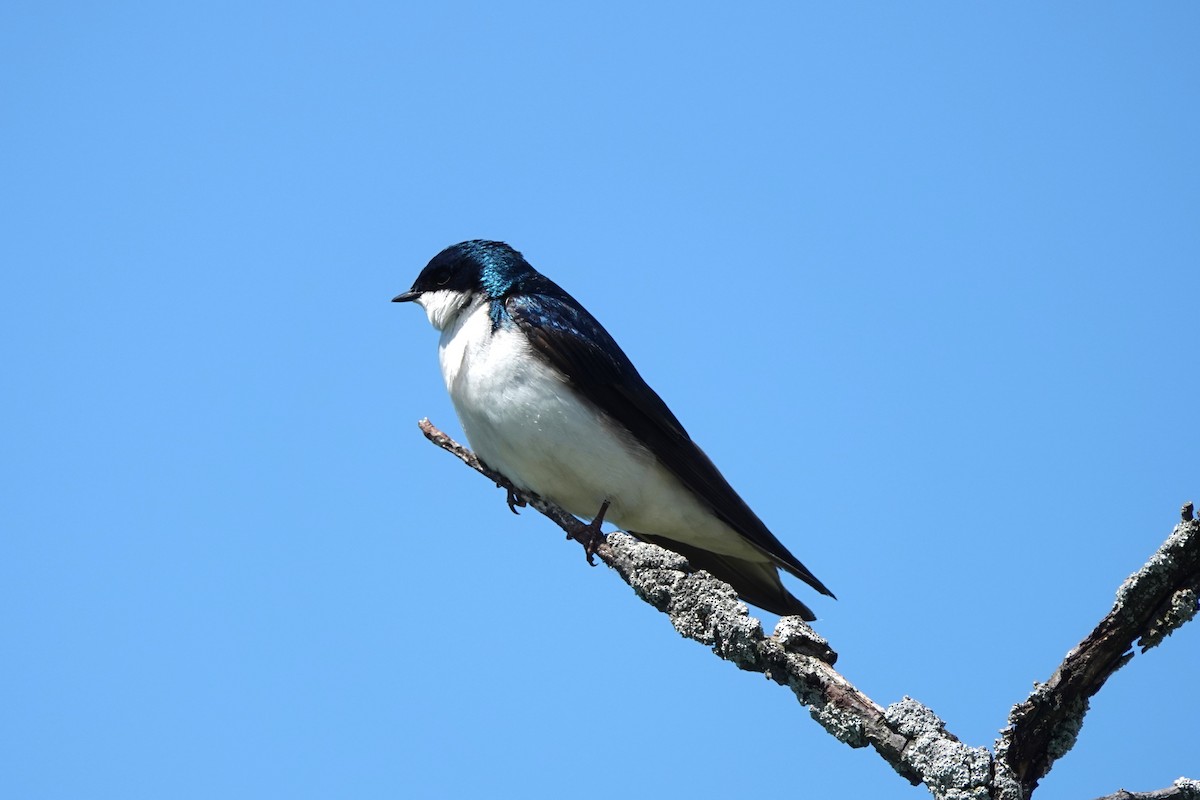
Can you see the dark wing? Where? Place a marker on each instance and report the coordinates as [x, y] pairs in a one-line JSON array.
[[574, 342]]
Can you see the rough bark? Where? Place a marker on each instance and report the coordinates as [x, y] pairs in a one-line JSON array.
[[1150, 605]]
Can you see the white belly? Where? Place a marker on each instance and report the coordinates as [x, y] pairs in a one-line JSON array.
[[531, 427]]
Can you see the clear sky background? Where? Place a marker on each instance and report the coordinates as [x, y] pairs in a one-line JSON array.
[[921, 278]]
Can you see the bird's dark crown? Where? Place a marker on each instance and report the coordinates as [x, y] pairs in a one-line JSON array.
[[477, 265]]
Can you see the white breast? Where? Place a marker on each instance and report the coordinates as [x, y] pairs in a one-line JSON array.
[[530, 426], [526, 423]]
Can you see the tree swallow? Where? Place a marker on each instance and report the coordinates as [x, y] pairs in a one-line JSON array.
[[547, 399]]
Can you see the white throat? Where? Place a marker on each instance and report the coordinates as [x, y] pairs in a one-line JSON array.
[[443, 306]]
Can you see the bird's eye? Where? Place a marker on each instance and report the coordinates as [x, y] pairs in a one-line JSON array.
[[441, 277]]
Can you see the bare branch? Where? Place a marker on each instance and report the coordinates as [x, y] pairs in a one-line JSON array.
[[1151, 604], [907, 735], [1182, 789]]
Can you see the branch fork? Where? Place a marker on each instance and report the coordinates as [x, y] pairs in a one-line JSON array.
[[1150, 605]]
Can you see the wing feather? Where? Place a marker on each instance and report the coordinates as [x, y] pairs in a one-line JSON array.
[[578, 345]]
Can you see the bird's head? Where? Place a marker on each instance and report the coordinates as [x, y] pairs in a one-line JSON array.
[[463, 273]]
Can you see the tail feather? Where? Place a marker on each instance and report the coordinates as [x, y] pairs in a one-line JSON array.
[[756, 582]]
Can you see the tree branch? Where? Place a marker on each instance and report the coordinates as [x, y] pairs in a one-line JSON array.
[[1151, 604], [1182, 789]]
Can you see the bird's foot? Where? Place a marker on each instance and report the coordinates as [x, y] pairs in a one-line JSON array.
[[514, 500], [593, 538]]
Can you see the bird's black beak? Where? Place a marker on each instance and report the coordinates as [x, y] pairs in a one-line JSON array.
[[406, 297]]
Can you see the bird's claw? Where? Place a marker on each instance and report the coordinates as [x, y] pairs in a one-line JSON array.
[[514, 501], [594, 537]]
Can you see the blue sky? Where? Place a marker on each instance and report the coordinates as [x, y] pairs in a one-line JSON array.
[[921, 278]]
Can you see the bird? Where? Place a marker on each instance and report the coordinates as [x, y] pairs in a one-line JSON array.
[[548, 399]]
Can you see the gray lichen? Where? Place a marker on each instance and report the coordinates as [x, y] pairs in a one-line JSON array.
[[708, 610], [797, 636], [1188, 789], [845, 726], [951, 770], [700, 606], [1065, 733], [1182, 608], [1155, 572], [652, 572]]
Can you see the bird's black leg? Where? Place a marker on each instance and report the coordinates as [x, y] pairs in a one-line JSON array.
[[594, 537], [514, 501]]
